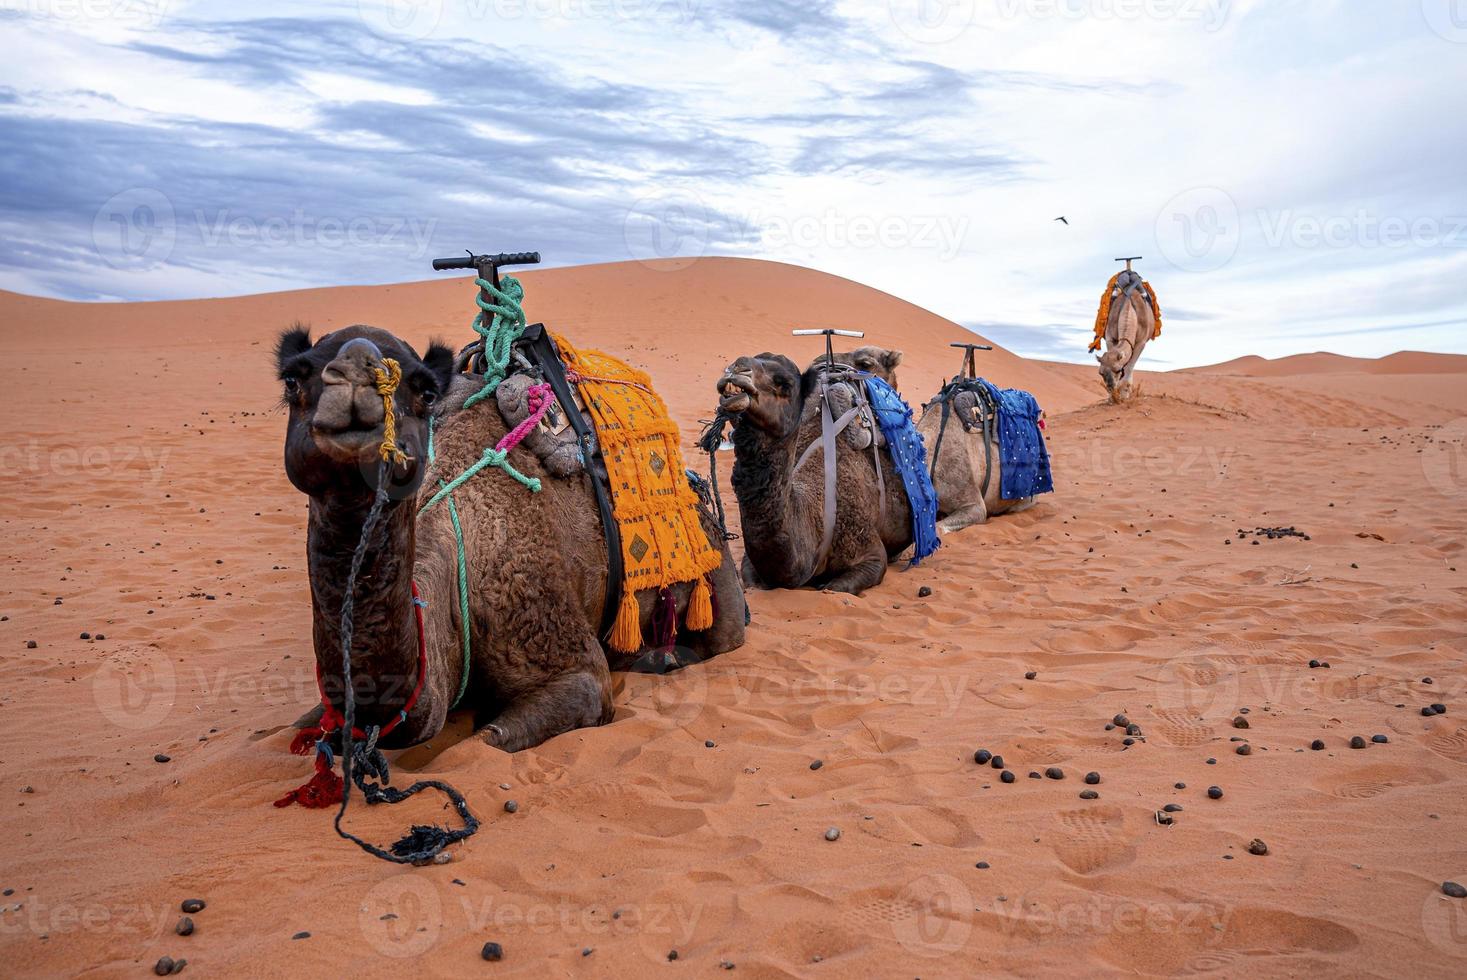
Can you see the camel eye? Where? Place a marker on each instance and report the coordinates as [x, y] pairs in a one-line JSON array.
[[429, 396], [292, 386]]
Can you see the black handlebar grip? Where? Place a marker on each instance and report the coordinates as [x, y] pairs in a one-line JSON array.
[[517, 258], [473, 261], [463, 262]]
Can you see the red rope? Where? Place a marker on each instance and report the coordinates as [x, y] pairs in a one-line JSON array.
[[324, 788]]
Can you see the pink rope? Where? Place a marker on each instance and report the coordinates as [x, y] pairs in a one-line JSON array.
[[539, 398]]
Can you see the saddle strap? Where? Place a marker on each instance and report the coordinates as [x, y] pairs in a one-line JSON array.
[[543, 353], [830, 427]]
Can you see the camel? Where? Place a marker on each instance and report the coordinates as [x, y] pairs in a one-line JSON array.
[[1130, 326], [965, 475], [777, 415], [877, 361], [536, 561]]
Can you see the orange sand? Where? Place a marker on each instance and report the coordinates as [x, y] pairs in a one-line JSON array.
[[145, 492]]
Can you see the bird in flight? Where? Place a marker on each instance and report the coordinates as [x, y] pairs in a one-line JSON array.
[[1063, 218]]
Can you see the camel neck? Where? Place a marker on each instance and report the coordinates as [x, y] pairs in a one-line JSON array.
[[776, 540], [385, 633]]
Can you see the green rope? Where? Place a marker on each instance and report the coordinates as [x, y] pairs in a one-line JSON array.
[[505, 327], [500, 333]]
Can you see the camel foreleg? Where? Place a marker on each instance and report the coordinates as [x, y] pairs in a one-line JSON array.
[[964, 517], [861, 576], [575, 699]]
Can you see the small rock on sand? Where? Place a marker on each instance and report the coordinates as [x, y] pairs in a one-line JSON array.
[[1089, 794], [510, 806], [833, 833], [816, 764], [160, 757], [1240, 722], [923, 592], [1379, 739], [192, 905], [1317, 744], [996, 762], [1092, 778], [493, 952], [1256, 846], [1245, 749], [982, 757], [1214, 792], [1120, 721], [1055, 772], [1030, 675], [1453, 890], [185, 926], [1356, 742], [164, 966], [1007, 775]]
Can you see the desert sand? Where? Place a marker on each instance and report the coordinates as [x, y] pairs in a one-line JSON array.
[[147, 507]]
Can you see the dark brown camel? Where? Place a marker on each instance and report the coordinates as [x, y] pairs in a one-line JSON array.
[[777, 415], [536, 562]]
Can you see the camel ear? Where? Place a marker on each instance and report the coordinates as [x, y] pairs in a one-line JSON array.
[[1097, 357], [439, 361], [292, 343], [892, 359]]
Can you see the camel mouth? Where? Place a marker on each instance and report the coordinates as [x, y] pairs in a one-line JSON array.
[[737, 392], [347, 444]]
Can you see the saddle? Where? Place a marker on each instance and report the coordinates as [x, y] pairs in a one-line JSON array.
[[972, 401]]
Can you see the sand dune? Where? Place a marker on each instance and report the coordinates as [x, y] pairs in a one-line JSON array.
[[1401, 362], [146, 507]]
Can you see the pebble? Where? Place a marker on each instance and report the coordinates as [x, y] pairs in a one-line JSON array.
[[1214, 792], [1428, 711], [1313, 664], [587, 951], [1092, 778], [1379, 739], [1035, 775], [671, 955], [997, 762], [1007, 776], [1133, 730], [1426, 680], [1128, 741], [1029, 675], [981, 865], [1089, 794], [164, 966], [813, 766], [301, 935], [1240, 722], [510, 806], [1317, 744], [86, 636], [185, 926], [1173, 808], [923, 592], [1055, 772], [708, 744], [30, 644], [192, 905], [982, 756], [1245, 749], [833, 833], [1453, 890], [493, 952], [1356, 742], [1121, 721], [1440, 709], [160, 757], [1256, 846], [1212, 762]]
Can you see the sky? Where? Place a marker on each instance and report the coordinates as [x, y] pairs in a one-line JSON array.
[[1293, 172]]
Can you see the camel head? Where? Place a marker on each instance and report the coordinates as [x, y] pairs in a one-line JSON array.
[[1113, 362], [334, 434], [873, 360], [765, 390]]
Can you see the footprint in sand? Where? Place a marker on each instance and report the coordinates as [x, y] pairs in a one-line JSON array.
[[1368, 782], [1451, 745], [1089, 840], [930, 916], [1179, 728]]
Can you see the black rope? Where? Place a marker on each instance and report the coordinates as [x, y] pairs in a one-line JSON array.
[[423, 842], [709, 442]]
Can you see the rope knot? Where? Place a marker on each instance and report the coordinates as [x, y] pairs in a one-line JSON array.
[[387, 382]]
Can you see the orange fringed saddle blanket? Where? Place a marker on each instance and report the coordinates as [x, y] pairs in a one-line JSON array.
[[662, 540], [1102, 315]]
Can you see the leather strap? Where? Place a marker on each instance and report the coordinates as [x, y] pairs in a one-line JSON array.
[[536, 340], [830, 427]]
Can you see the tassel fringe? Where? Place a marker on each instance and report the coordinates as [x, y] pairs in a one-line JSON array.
[[626, 633], [700, 606]]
